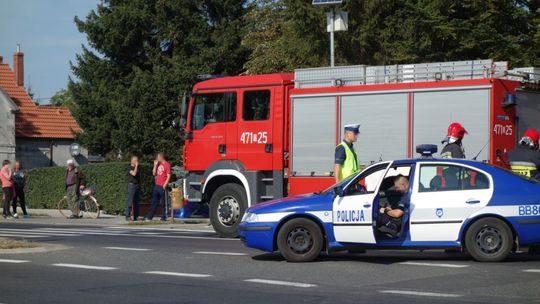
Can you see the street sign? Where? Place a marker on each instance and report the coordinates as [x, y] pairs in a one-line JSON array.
[[321, 2], [340, 20]]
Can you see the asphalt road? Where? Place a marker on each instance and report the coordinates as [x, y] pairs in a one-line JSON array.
[[148, 265]]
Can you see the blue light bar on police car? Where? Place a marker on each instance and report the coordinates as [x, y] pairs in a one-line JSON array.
[[426, 150]]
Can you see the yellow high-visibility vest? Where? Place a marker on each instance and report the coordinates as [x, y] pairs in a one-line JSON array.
[[350, 166]]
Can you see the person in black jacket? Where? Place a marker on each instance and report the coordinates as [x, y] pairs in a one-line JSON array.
[[525, 158], [134, 189], [454, 137]]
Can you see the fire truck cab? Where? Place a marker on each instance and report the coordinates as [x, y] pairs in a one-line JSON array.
[[236, 145], [251, 139]]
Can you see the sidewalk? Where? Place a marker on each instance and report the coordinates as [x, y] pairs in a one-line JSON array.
[[53, 217]]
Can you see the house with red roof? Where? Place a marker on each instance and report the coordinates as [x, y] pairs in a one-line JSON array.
[[38, 136]]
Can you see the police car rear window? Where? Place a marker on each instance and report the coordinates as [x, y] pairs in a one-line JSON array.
[[438, 177]]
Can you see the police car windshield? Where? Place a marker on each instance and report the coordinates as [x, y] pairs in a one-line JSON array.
[[341, 183]]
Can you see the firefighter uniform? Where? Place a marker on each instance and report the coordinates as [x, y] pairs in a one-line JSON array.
[[453, 150], [454, 137], [345, 156], [524, 161]]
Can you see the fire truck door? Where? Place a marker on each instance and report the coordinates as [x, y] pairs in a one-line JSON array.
[[213, 117], [255, 144]]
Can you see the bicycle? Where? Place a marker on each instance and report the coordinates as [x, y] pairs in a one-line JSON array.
[[88, 205]]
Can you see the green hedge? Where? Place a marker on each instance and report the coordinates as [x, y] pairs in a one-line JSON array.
[[46, 185]]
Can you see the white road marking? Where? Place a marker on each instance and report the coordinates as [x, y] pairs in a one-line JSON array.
[[128, 249], [13, 232], [149, 233], [185, 237], [161, 229], [23, 236], [179, 274], [531, 270], [13, 261], [83, 231], [219, 253], [421, 293], [281, 283], [84, 266], [46, 232], [434, 264]]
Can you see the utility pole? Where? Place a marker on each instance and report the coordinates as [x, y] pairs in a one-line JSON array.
[[332, 30], [331, 20]]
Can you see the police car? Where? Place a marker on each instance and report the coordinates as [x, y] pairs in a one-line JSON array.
[[485, 210]]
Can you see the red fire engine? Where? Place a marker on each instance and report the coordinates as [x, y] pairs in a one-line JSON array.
[[250, 139]]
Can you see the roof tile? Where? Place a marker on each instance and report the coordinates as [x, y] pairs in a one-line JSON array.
[[33, 121]]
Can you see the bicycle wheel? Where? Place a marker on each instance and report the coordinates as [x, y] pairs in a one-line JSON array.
[[64, 208], [90, 207]]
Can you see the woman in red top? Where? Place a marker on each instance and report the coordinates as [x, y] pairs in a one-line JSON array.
[[7, 187]]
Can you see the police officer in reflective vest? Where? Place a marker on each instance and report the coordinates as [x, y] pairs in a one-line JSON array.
[[346, 161], [453, 140], [525, 158]]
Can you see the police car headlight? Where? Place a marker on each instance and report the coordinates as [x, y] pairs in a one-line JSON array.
[[250, 217]]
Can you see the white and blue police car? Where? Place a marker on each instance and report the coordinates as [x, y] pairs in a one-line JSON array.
[[450, 203]]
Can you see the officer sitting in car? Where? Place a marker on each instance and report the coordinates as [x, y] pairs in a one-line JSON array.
[[390, 217]]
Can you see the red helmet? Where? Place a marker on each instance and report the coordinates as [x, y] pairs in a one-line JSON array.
[[532, 134], [456, 130]]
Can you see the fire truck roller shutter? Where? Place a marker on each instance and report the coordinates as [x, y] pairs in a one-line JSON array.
[[434, 110], [313, 135], [528, 111], [384, 119]]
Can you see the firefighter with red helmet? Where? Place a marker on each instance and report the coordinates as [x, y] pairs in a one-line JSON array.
[[453, 140], [525, 158]]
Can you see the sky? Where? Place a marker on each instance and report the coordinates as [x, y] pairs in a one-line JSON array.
[[48, 37]]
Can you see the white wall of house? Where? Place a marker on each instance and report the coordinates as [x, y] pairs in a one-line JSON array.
[[7, 127]]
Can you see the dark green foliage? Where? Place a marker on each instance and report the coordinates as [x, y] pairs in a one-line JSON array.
[[46, 185], [393, 31], [145, 54]]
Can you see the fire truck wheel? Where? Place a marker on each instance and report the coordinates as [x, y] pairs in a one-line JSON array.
[[300, 240], [227, 206]]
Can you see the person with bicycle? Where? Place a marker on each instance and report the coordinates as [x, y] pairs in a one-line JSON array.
[[74, 182]]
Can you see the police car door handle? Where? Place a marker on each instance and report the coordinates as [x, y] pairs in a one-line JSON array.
[[367, 205], [472, 201]]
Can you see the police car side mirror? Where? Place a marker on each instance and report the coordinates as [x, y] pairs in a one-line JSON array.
[[338, 191]]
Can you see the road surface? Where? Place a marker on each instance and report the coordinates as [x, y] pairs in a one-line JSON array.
[[125, 264]]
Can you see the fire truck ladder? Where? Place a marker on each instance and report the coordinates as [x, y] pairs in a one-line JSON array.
[[399, 73]]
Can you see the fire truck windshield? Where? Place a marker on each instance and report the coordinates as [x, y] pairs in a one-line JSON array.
[[213, 108]]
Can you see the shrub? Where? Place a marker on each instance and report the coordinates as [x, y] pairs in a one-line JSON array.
[[46, 185]]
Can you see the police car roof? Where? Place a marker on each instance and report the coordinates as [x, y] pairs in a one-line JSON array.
[[473, 163]]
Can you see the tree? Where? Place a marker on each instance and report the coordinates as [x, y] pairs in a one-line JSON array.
[[62, 98], [143, 56], [393, 31], [276, 43]]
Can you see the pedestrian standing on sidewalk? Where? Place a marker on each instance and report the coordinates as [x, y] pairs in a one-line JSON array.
[[19, 181], [73, 182], [134, 189], [7, 187], [162, 175]]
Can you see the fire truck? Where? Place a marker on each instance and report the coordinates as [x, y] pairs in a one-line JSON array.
[[251, 139]]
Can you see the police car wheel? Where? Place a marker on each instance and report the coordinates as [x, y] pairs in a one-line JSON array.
[[489, 240], [227, 206], [300, 240]]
